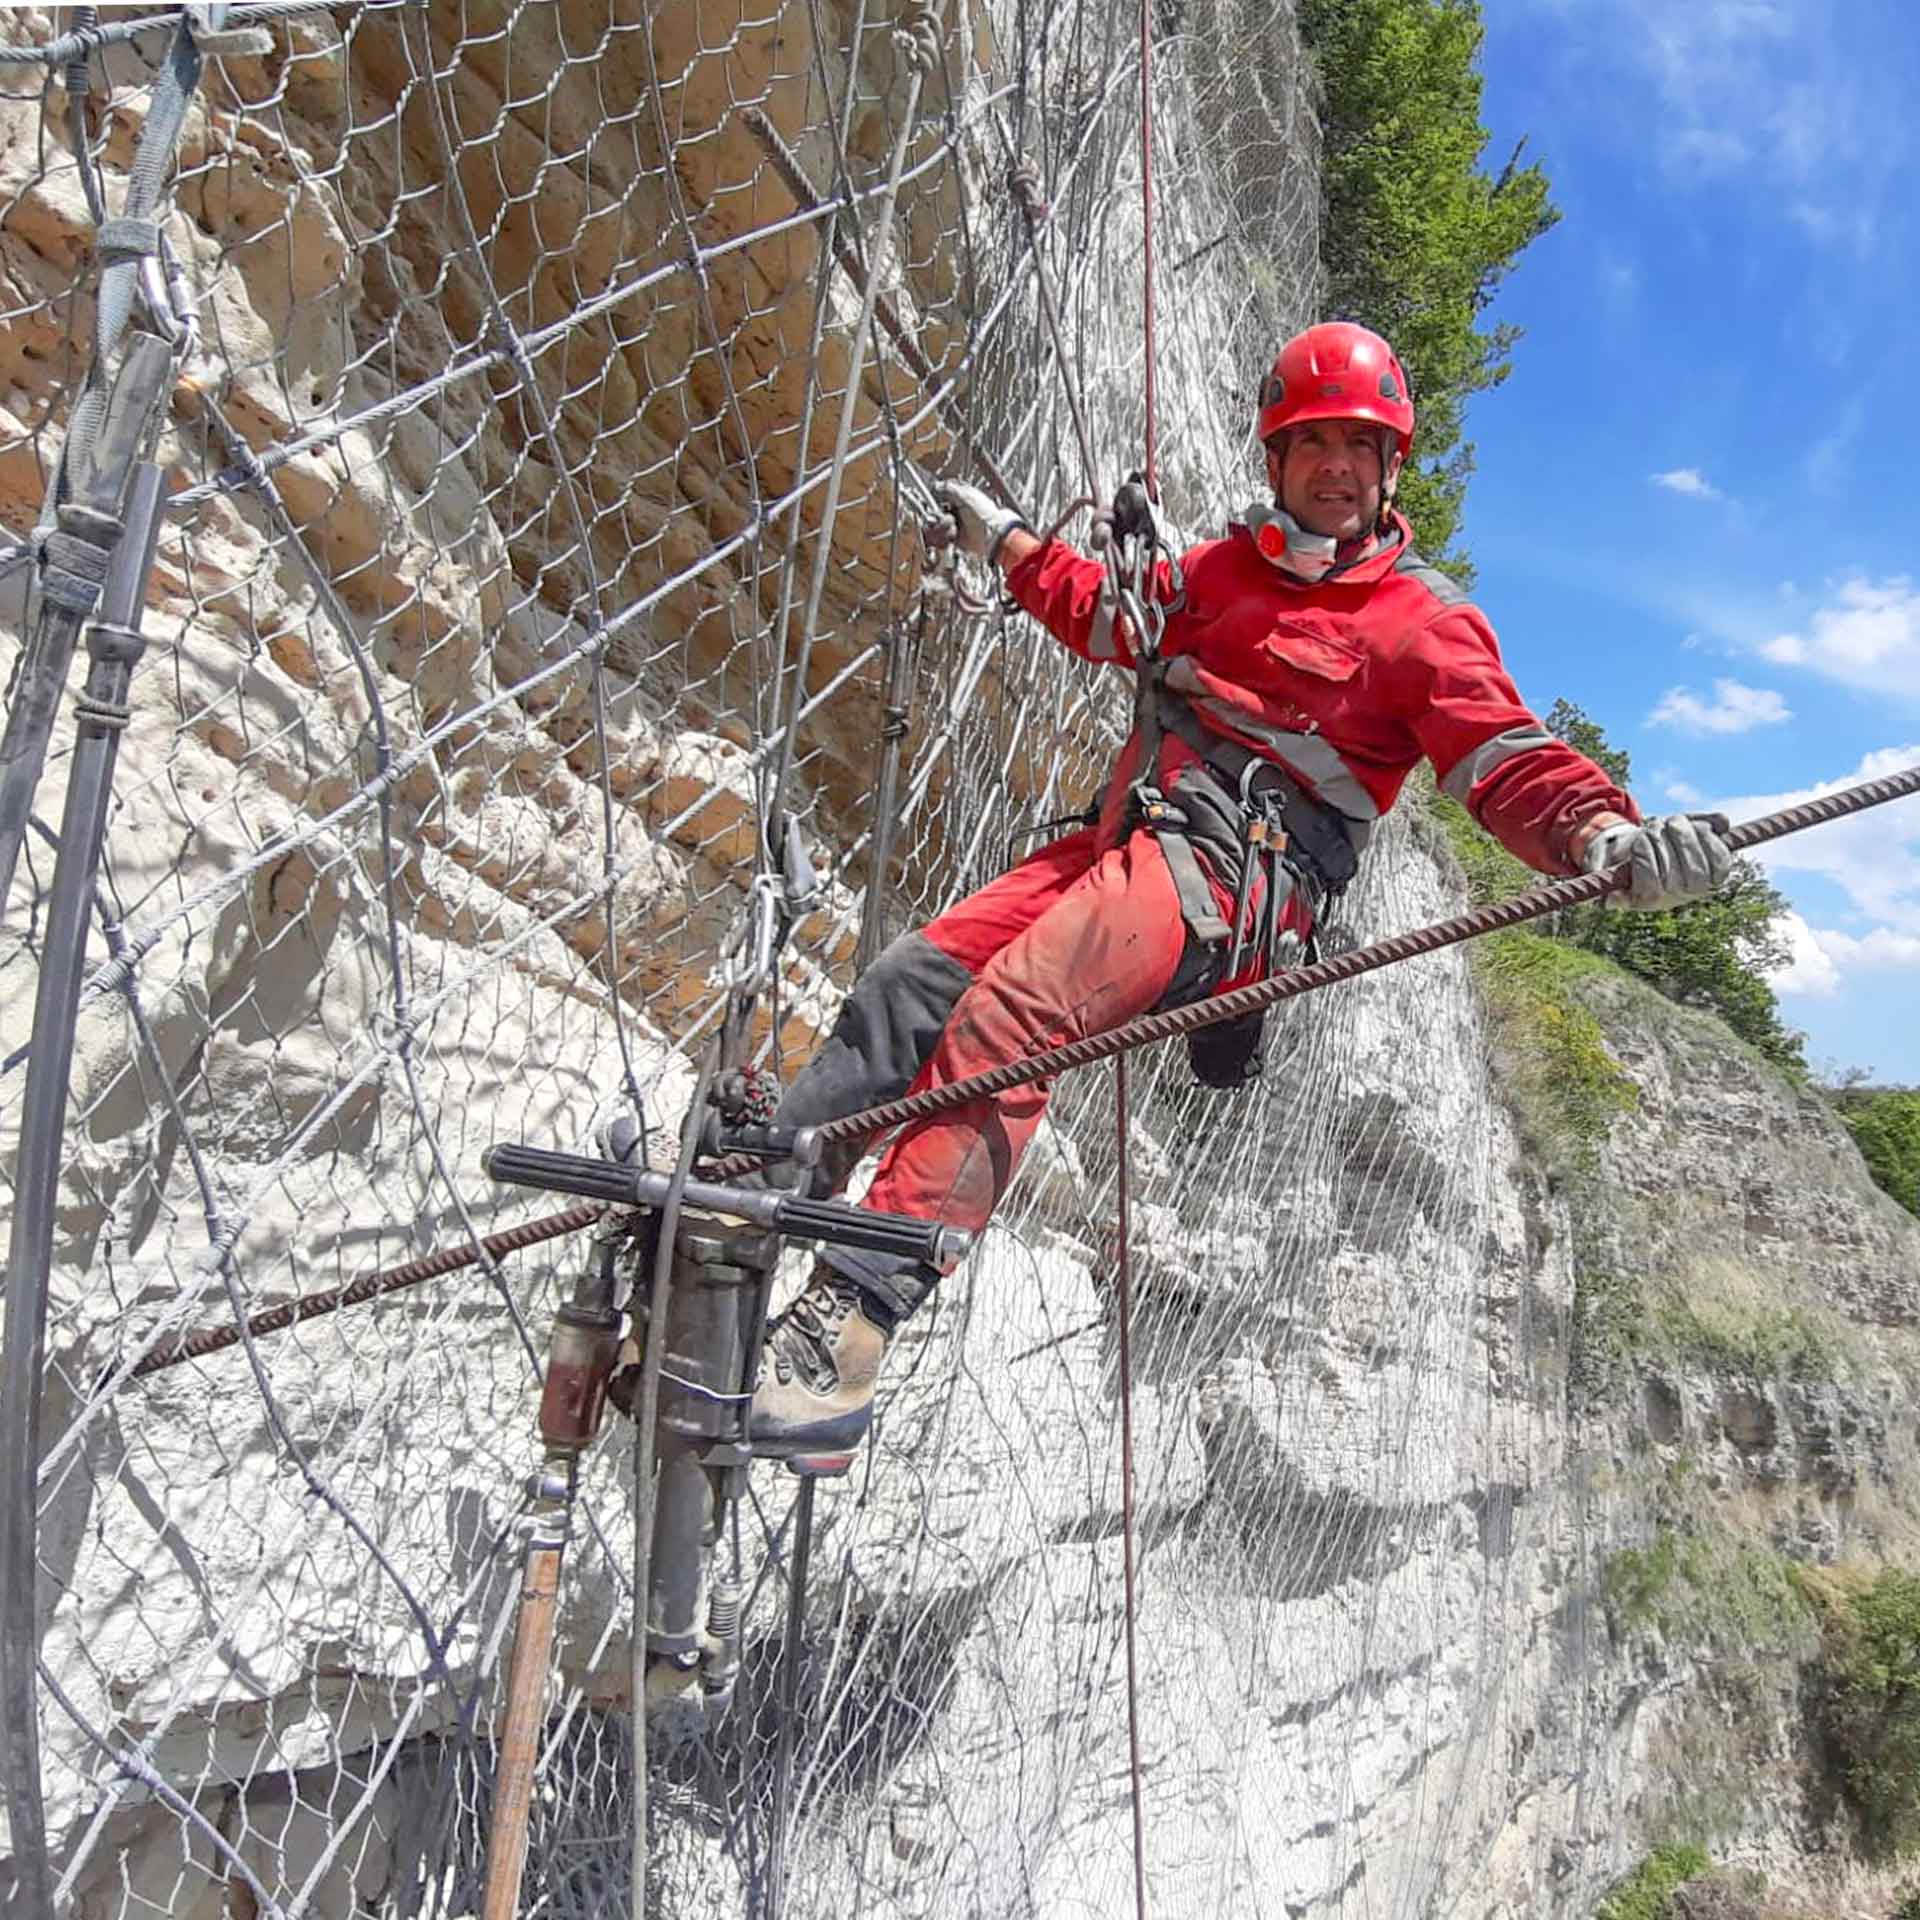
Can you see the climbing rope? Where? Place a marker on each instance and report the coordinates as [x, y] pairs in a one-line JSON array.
[[1534, 904], [1146, 248], [1123, 1181], [1147, 637]]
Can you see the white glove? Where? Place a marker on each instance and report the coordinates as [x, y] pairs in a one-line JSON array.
[[1670, 861], [983, 525]]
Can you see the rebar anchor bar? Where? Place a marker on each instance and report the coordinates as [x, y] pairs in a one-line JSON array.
[[1292, 982], [1534, 904]]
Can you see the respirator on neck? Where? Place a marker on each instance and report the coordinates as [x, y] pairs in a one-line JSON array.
[[1284, 543]]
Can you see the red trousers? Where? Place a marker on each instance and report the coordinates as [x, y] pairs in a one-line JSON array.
[[1069, 943]]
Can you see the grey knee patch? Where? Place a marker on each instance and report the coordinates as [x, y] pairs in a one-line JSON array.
[[886, 1032]]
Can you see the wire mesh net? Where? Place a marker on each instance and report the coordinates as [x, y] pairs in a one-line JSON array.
[[543, 509]]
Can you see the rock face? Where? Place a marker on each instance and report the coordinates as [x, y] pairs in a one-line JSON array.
[[432, 824]]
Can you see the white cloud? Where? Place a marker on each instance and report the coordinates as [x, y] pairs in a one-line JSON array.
[[1885, 948], [1823, 959], [1809, 969], [1689, 481], [1683, 793], [1854, 230], [1873, 858], [1825, 464], [1866, 636], [1733, 709], [1760, 96], [1619, 283]]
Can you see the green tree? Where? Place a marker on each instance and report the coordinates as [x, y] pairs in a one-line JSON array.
[[1571, 724], [1715, 954], [1416, 238], [1885, 1124]]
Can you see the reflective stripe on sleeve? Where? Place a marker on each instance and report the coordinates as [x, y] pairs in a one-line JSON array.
[[1467, 773]]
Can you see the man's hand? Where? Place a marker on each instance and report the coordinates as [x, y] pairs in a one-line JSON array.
[[1670, 861], [983, 525]]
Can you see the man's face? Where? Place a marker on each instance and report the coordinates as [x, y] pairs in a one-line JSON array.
[[1329, 476]]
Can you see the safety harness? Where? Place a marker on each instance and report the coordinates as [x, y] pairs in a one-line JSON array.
[[1241, 809], [1231, 809]]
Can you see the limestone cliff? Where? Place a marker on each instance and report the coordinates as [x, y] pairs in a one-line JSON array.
[[434, 817]]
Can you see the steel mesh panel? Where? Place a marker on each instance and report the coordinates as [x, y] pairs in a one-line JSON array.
[[498, 597]]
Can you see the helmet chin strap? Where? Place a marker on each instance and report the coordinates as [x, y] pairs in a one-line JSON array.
[[1389, 480]]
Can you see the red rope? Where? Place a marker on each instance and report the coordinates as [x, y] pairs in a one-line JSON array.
[[1146, 205], [1126, 1496], [1123, 1179]]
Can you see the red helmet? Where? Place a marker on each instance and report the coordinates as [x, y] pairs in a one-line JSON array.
[[1337, 371]]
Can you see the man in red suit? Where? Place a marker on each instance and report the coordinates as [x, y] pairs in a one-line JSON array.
[[1310, 662]]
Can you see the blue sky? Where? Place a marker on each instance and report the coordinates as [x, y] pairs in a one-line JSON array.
[[1695, 507]]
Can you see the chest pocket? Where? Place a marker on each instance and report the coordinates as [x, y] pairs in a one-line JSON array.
[[1310, 648]]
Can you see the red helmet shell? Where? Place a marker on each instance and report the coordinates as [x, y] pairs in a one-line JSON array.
[[1337, 371]]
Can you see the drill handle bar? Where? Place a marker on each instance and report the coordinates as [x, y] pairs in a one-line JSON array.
[[831, 1221]]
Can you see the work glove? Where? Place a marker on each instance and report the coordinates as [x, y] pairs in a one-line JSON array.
[[983, 525], [1670, 861]]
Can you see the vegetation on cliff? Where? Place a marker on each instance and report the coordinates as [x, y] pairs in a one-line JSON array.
[[1416, 237], [1885, 1124], [1714, 955], [1868, 1689], [1565, 1087], [1646, 1893]]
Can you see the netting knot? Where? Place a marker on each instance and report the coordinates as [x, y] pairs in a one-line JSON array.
[[917, 37], [1024, 182]]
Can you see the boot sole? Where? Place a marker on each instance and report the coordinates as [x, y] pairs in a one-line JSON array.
[[824, 1439]]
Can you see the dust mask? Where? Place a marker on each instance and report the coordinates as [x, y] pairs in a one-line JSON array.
[[1284, 543]]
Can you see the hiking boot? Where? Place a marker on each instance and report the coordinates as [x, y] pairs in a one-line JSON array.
[[817, 1373]]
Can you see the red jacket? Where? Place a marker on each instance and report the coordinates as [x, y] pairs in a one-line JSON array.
[[1347, 682]]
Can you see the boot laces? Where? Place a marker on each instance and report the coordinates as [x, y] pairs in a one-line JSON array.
[[803, 1339]]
